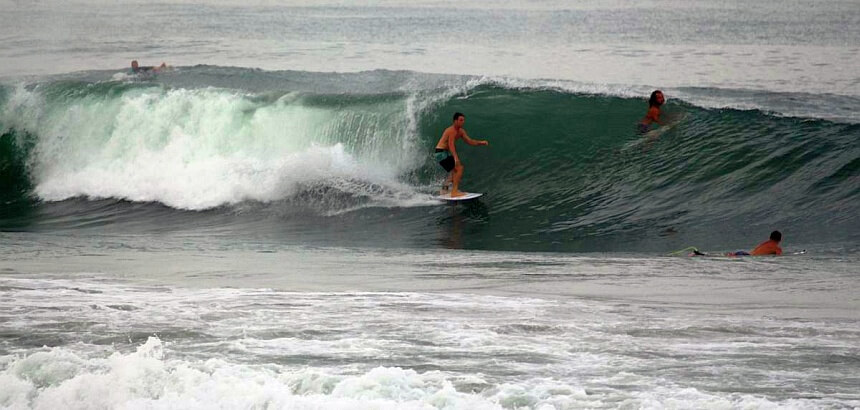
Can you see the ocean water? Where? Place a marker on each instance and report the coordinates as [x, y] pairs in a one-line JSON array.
[[254, 226]]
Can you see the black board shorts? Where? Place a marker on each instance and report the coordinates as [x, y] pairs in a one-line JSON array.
[[447, 162]]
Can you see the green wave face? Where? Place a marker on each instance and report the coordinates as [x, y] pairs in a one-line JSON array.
[[564, 171]]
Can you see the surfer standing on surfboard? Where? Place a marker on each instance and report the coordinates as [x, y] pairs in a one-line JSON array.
[[446, 153]]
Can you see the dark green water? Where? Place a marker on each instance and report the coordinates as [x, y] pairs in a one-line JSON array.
[[564, 171]]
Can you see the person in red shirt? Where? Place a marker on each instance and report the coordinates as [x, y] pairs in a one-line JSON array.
[[653, 116], [769, 247]]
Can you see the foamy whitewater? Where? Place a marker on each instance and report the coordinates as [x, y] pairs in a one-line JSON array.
[[254, 226]]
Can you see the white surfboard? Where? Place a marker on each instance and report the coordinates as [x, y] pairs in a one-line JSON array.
[[466, 196]]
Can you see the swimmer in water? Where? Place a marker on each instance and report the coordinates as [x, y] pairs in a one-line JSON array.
[[653, 116]]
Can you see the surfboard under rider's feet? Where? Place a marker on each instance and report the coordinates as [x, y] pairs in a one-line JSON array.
[[464, 197]]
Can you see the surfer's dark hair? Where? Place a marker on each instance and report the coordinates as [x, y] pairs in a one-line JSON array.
[[776, 236], [457, 115], [652, 102]]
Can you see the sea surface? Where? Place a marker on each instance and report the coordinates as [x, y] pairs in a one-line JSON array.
[[254, 227]]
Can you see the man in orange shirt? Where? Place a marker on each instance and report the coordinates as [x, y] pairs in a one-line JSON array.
[[769, 247]]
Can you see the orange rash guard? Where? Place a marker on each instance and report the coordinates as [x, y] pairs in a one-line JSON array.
[[769, 247]]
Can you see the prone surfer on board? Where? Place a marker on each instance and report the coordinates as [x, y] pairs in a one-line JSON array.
[[768, 247], [136, 68], [446, 153]]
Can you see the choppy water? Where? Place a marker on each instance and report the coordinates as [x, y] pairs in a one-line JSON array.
[[350, 328], [253, 228]]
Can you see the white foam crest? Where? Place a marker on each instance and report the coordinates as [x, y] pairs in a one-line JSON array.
[[615, 90], [782, 104], [553, 355], [147, 379], [198, 149], [612, 90], [690, 398], [18, 112], [344, 347]]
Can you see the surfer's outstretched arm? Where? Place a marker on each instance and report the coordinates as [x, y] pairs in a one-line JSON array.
[[473, 142]]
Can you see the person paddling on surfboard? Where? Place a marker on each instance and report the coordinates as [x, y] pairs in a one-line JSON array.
[[446, 153], [653, 116], [768, 247], [136, 68]]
